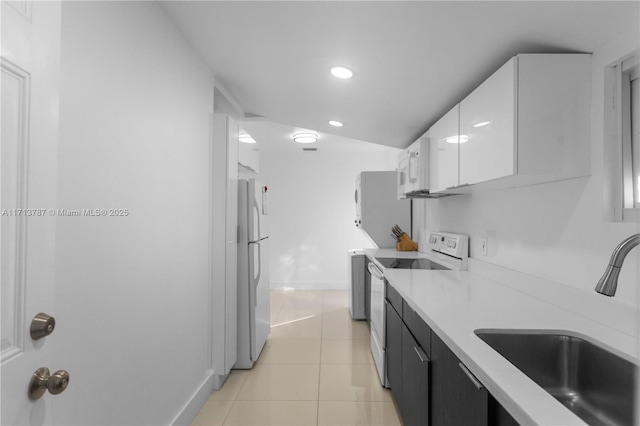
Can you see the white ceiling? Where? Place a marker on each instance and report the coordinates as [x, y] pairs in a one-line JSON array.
[[413, 60], [278, 137]]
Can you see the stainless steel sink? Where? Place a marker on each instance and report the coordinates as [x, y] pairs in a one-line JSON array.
[[597, 385]]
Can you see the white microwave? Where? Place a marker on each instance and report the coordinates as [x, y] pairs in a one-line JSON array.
[[413, 169]]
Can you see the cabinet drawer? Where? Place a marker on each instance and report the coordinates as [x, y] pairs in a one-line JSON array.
[[417, 327], [394, 298]]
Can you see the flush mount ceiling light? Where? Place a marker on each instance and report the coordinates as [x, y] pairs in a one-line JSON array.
[[246, 138], [481, 124], [341, 72], [305, 137], [335, 123], [457, 139]]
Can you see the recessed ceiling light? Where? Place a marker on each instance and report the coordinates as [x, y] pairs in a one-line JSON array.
[[341, 72], [482, 123], [305, 137], [246, 138], [335, 123], [457, 139]]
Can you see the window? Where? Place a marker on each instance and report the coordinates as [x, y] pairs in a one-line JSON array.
[[630, 145], [635, 133], [622, 117]]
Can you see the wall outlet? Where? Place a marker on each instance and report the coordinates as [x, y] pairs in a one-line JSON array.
[[484, 245]]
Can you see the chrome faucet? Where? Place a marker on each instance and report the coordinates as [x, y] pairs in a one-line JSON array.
[[609, 281]]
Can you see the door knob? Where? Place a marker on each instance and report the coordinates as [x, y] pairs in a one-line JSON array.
[[41, 381], [42, 325]]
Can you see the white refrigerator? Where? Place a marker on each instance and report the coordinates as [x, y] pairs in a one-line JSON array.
[[254, 322]]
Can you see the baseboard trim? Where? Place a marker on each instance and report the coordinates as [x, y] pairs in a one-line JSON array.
[[190, 409]]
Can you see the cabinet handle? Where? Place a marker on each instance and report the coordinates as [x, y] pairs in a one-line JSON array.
[[471, 377], [423, 356]]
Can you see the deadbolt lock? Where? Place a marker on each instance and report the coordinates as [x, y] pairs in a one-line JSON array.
[[42, 325], [41, 381]]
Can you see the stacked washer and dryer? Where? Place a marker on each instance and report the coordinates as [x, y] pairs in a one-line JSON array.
[[378, 209]]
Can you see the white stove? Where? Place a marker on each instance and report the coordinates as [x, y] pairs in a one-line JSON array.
[[450, 250], [445, 251]]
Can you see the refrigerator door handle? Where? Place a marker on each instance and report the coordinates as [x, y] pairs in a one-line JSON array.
[[257, 278], [257, 209]]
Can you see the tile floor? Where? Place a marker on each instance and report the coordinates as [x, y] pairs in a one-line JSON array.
[[316, 369]]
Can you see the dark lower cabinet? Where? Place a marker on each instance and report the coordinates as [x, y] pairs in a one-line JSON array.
[[407, 360], [457, 398], [415, 382], [498, 416], [394, 352], [429, 384]]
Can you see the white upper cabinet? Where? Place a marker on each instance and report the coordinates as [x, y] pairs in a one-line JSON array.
[[553, 120], [443, 152], [487, 123], [528, 123]]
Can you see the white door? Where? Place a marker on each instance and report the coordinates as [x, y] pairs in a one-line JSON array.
[[30, 88]]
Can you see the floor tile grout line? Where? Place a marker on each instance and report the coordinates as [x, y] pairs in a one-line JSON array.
[[327, 307], [226, 417]]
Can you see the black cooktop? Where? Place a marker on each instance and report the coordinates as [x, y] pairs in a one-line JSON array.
[[395, 263]]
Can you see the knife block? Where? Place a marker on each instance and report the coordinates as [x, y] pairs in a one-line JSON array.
[[406, 243]]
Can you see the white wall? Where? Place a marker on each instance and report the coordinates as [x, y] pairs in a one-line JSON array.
[[312, 213], [557, 231], [131, 292]]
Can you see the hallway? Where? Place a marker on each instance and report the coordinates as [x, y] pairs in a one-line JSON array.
[[316, 369]]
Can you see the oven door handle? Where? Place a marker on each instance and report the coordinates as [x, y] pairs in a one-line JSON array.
[[375, 271]]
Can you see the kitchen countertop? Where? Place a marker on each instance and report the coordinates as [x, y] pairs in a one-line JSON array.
[[389, 252], [456, 303]]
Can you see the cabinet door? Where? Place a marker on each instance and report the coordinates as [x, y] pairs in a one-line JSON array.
[[498, 416], [415, 382], [443, 150], [487, 118], [457, 398], [394, 353]]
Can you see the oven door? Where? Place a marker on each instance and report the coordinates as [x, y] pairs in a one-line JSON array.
[[378, 321]]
